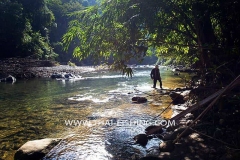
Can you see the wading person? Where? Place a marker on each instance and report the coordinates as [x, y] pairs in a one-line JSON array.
[[155, 75]]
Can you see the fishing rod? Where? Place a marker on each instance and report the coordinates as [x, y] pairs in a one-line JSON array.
[[163, 110], [168, 107], [161, 94]]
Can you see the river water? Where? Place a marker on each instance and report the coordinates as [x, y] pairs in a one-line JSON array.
[[88, 113]]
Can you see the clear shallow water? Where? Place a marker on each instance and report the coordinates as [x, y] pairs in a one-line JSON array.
[[40, 108]]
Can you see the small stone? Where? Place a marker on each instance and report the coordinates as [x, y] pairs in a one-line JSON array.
[[166, 146], [177, 98], [141, 139], [139, 99]]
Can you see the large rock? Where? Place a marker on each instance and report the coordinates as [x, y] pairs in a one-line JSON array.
[[153, 130], [166, 146], [36, 149], [139, 99], [177, 98], [69, 75], [9, 79], [141, 139], [57, 75]]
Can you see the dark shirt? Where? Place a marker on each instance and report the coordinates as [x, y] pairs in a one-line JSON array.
[[155, 74]]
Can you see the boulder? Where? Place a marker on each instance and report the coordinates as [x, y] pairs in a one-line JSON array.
[[57, 75], [139, 99], [154, 130], [141, 139], [69, 75], [166, 146], [9, 79], [36, 149], [177, 98]]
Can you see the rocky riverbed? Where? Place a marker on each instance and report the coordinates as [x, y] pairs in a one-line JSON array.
[[215, 137], [49, 71], [205, 139], [193, 144], [22, 68]]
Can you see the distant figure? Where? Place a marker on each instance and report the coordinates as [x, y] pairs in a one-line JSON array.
[[155, 75]]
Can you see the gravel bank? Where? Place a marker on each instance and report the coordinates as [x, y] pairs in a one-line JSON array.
[[23, 68]]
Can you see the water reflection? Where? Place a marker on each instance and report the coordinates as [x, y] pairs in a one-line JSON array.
[[38, 108]]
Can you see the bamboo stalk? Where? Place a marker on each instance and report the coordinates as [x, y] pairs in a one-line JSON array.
[[196, 106], [227, 88]]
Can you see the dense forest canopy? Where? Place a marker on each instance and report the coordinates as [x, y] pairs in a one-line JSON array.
[[205, 33], [189, 31], [35, 28], [22, 28]]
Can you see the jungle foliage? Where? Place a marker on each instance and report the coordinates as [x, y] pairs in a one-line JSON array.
[[205, 33], [35, 28], [22, 28]]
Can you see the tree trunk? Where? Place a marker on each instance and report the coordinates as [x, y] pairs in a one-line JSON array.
[[205, 34]]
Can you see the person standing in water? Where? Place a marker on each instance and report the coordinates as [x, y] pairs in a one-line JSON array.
[[155, 75]]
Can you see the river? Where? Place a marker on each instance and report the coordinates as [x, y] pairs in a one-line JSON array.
[[41, 108]]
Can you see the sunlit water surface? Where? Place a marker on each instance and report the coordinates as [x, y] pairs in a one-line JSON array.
[[42, 108]]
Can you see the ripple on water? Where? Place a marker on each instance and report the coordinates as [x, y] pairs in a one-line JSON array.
[[27, 115], [107, 142], [80, 147]]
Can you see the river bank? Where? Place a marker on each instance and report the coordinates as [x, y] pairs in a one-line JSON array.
[[191, 145], [194, 144], [37, 108], [23, 68], [212, 136], [219, 124]]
